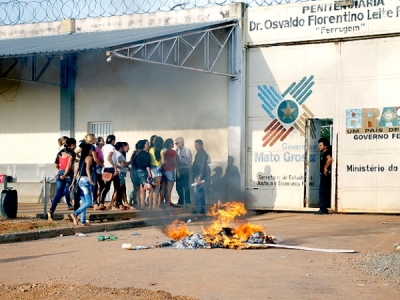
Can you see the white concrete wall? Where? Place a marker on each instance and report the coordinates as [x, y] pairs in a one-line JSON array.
[[369, 79], [278, 68], [29, 128], [142, 99], [350, 75]]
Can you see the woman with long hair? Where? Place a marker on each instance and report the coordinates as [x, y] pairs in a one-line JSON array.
[[97, 164], [65, 165], [61, 145], [100, 183], [157, 160], [141, 162], [110, 166], [124, 151], [169, 169], [152, 139], [61, 142], [83, 177], [134, 201], [121, 165]]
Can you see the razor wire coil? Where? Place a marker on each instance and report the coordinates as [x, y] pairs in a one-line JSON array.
[[20, 12]]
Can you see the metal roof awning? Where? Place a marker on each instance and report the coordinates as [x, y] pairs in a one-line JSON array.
[[138, 43], [92, 41]]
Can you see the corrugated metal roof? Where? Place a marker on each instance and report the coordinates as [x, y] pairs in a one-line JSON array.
[[91, 41]]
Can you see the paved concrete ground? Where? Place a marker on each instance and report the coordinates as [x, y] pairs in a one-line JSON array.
[[221, 273]]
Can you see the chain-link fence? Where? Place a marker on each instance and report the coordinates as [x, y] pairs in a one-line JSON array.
[[20, 12]]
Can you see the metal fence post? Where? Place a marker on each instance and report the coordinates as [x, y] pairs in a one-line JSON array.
[[44, 198]]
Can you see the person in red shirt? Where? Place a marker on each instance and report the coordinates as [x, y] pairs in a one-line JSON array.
[[168, 170], [65, 165]]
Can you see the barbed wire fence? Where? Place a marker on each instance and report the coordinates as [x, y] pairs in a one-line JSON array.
[[21, 12]]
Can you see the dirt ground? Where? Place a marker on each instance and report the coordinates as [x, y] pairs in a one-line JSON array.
[[24, 224], [83, 268]]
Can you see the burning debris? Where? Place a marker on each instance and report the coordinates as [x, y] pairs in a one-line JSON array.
[[220, 235]]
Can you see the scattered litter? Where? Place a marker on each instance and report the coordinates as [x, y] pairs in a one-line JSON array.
[[135, 233], [61, 235], [189, 221], [141, 247], [397, 247], [80, 234], [245, 236], [101, 238], [276, 239], [127, 246]]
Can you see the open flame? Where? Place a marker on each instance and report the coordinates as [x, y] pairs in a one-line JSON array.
[[177, 230], [220, 233]]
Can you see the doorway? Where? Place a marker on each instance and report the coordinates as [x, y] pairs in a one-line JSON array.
[[315, 129]]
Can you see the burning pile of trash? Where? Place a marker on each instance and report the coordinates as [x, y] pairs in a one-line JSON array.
[[219, 234]]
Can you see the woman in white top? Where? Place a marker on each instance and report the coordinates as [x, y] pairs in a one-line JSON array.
[[110, 166], [121, 165]]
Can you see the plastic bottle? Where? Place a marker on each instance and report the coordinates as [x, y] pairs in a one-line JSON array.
[[80, 234], [102, 238]]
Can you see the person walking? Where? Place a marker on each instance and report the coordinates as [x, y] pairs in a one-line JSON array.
[[84, 179], [325, 176], [65, 164], [110, 166], [61, 145], [121, 165], [184, 163], [97, 164], [199, 169]]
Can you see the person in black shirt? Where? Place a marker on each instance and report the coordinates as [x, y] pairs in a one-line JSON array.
[[325, 176], [141, 164], [84, 179]]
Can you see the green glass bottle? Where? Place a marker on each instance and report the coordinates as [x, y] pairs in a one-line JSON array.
[[102, 238]]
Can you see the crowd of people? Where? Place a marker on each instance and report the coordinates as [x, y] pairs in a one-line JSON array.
[[89, 167]]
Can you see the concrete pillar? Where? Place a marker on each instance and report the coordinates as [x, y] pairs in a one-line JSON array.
[[67, 95], [236, 109]]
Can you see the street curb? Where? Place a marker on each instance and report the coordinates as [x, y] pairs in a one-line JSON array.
[[65, 231]]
